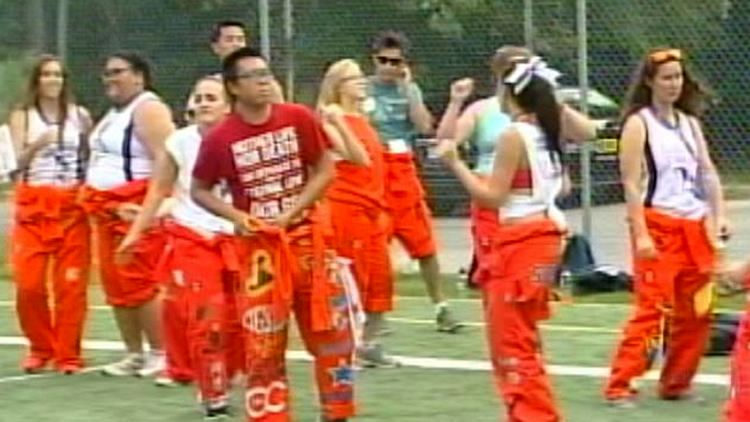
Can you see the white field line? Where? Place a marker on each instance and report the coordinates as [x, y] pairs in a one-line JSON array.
[[408, 361]]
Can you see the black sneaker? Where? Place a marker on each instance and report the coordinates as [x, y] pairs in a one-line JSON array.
[[220, 413]]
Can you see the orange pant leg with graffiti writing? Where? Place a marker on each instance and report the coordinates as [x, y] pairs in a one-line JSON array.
[[515, 296], [360, 234], [50, 229], [200, 265], [272, 281], [410, 217], [672, 291], [133, 283], [737, 407]]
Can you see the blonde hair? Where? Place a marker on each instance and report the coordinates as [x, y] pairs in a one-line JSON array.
[[504, 58], [329, 88]]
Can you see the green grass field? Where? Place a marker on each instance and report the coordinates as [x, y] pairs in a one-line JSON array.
[[579, 335]]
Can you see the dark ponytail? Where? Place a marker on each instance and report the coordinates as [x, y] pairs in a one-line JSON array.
[[538, 97]]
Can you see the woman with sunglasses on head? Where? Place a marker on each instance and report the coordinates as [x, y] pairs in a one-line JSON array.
[[195, 303], [357, 199], [480, 124], [675, 211], [124, 145], [50, 228], [526, 178]]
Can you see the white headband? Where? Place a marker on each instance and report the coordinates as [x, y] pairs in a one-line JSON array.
[[523, 72]]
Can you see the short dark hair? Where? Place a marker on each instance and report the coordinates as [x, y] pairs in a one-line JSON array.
[[229, 65], [139, 64], [218, 26], [390, 39]]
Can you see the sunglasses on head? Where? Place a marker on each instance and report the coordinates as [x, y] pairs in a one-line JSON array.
[[393, 61], [663, 56]]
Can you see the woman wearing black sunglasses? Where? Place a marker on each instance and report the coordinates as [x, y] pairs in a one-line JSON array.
[[50, 228]]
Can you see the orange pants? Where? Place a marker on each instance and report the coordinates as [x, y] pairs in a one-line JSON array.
[[411, 220], [199, 268], [50, 229], [285, 274], [360, 234], [484, 226], [175, 322], [524, 259], [135, 282], [737, 407], [672, 291]]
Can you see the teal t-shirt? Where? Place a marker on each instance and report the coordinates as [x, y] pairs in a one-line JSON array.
[[390, 109], [491, 122]]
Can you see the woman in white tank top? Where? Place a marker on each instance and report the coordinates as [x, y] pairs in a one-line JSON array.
[[123, 145], [675, 208], [526, 247], [195, 261], [50, 228]]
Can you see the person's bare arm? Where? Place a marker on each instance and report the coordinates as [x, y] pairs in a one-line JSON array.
[[419, 115], [460, 92], [508, 156], [632, 144], [160, 187], [25, 148], [152, 121], [711, 182], [343, 140], [575, 126]]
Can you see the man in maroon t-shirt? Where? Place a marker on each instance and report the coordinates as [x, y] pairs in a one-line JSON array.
[[275, 160]]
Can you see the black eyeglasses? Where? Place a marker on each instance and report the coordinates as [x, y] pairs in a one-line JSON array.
[[393, 61], [254, 74]]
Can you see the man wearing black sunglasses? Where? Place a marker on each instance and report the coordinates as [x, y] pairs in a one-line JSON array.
[[398, 112]]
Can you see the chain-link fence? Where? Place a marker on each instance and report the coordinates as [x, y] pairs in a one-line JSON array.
[[450, 39]]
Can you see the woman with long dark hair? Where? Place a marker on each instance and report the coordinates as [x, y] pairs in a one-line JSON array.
[[50, 229], [526, 178], [124, 146], [480, 124], [675, 212]]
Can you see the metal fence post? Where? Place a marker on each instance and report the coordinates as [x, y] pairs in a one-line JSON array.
[[528, 23], [583, 81], [62, 29], [265, 35], [289, 41]]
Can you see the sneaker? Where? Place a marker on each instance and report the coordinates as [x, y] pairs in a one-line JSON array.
[[220, 413], [374, 357], [127, 367], [446, 322], [33, 364], [156, 363]]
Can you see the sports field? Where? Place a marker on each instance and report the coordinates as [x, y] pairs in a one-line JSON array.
[[445, 377]]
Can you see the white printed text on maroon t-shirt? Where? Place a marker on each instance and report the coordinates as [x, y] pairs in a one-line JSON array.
[[270, 171]]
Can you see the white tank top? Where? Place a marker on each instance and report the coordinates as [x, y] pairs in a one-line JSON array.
[[183, 145], [546, 179], [117, 155], [671, 155], [60, 163]]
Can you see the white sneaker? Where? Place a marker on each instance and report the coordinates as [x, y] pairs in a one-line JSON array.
[[155, 363], [127, 367]]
